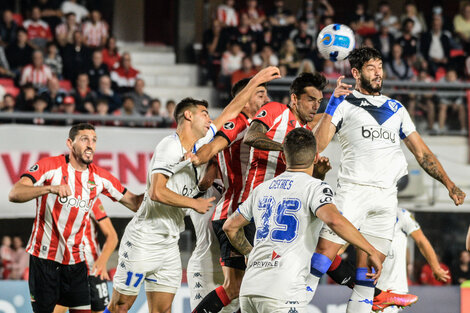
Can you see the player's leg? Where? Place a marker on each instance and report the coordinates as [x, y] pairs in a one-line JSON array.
[[44, 284], [120, 303], [60, 309], [270, 305], [75, 292], [160, 302]]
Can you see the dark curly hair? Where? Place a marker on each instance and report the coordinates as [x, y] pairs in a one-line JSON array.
[[359, 57], [307, 80]]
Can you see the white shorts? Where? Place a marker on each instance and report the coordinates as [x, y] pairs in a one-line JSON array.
[[372, 210], [159, 266], [201, 283], [258, 304]]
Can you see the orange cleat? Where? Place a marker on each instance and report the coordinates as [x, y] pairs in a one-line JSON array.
[[388, 298]]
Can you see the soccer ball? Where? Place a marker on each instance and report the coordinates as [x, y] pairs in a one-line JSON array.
[[335, 42]]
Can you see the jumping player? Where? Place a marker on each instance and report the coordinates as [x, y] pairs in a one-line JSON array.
[[288, 212], [65, 188], [369, 127]]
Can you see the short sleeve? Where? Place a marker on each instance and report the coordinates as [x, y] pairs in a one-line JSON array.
[[42, 170], [232, 129], [407, 126], [98, 210], [205, 140], [269, 113], [167, 157], [408, 222], [339, 114], [246, 208], [112, 187], [319, 195]]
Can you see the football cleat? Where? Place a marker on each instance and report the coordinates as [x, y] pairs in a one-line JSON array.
[[388, 298]]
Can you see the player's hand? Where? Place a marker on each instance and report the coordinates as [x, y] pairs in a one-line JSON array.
[[203, 205], [373, 261], [193, 157], [61, 190], [99, 269], [266, 75], [321, 167], [441, 274], [341, 89], [457, 195]]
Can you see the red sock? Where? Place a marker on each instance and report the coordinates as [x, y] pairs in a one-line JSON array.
[[336, 262], [222, 295], [79, 310]]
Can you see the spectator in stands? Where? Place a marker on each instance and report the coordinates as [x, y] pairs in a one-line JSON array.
[[244, 35], [125, 75], [76, 57], [53, 59], [425, 103], [313, 14], [385, 17], [24, 101], [397, 68], [227, 14], [408, 41], [64, 32], [105, 91], [454, 105], [170, 110], [111, 55], [53, 94], [102, 107], [19, 54], [20, 260], [40, 106], [36, 73], [435, 45], [427, 276], [213, 46], [265, 58], [232, 59], [282, 21], [462, 26], [306, 66], [39, 32], [128, 109], [142, 101], [80, 11], [411, 12], [84, 97], [329, 70], [383, 41], [289, 57], [50, 12], [96, 69], [8, 103], [95, 31], [362, 22], [4, 66], [6, 255], [255, 14], [303, 41], [155, 108], [68, 108], [8, 28], [246, 71], [461, 271]]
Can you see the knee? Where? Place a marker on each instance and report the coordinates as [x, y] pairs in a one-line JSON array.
[[232, 288]]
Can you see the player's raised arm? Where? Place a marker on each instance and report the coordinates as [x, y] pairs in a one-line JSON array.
[[233, 227], [236, 105], [24, 190], [256, 138], [429, 162], [325, 129], [110, 243]]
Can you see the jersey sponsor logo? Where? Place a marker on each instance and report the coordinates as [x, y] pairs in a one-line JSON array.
[[378, 133], [292, 123], [262, 114], [75, 202], [328, 195], [34, 168], [265, 264], [229, 125], [275, 256]]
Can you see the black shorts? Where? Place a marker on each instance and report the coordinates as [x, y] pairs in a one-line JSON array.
[[229, 256], [52, 283], [98, 293]]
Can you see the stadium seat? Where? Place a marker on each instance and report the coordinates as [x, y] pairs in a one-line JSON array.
[[18, 18], [12, 90], [7, 82]]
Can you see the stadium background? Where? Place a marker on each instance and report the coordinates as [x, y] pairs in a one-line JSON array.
[[166, 44]]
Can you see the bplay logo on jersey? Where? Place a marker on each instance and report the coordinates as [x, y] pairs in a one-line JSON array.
[[378, 133], [75, 202]]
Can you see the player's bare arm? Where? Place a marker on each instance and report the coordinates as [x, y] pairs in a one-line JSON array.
[[430, 255], [207, 151], [233, 227], [158, 191], [132, 201], [24, 190], [330, 215], [236, 105], [111, 241], [256, 138], [429, 162], [322, 166], [209, 176], [467, 242]]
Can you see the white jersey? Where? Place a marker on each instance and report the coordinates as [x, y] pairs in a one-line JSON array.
[[283, 210], [206, 254], [156, 218], [369, 130], [394, 267]]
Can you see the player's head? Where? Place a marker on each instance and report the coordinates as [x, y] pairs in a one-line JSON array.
[[82, 142], [195, 113], [300, 148], [306, 95], [257, 100], [366, 68]]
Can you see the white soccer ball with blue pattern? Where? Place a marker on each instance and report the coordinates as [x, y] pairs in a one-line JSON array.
[[335, 42]]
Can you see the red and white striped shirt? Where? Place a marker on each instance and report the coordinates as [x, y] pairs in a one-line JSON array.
[[38, 77], [90, 240], [59, 224], [233, 162], [264, 165], [95, 33], [227, 15], [38, 29]]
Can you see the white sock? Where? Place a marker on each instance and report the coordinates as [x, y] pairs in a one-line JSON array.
[[361, 300], [312, 284]]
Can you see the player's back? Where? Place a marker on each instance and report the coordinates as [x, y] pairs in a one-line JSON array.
[[283, 210]]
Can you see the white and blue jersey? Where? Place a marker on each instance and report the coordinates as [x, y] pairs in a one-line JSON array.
[[369, 129], [287, 229]]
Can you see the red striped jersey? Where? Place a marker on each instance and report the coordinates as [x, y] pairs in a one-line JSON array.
[[264, 165], [233, 162], [90, 240], [59, 224], [94, 33], [38, 77]]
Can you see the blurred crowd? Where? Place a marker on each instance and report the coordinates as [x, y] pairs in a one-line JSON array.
[[61, 57], [244, 38]]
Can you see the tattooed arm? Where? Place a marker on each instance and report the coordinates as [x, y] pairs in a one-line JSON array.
[[233, 227], [256, 138], [429, 162]]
